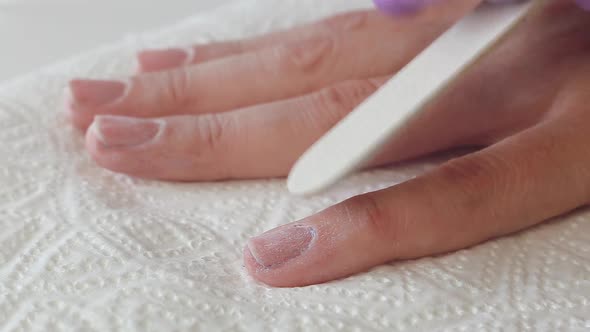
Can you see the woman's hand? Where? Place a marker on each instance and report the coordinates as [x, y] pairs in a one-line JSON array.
[[248, 109]]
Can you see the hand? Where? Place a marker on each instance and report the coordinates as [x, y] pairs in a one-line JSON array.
[[401, 7], [248, 109]]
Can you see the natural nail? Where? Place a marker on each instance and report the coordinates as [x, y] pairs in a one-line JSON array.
[[281, 245], [95, 93], [165, 58], [123, 132]]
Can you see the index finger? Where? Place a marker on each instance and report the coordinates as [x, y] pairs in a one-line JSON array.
[[515, 184]]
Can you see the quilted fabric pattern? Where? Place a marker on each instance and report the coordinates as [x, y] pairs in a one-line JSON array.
[[83, 249]]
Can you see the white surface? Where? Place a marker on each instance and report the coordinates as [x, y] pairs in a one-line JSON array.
[[83, 249], [360, 135], [34, 33]]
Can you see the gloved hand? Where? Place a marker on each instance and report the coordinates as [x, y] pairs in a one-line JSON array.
[[401, 7]]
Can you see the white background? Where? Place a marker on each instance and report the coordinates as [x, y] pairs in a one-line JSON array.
[[34, 33]]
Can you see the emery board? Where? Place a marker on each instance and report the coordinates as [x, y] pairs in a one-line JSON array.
[[355, 139]]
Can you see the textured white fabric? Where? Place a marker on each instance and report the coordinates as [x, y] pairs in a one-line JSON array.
[[85, 249]]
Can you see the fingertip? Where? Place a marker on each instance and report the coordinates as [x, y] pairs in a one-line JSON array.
[[113, 159], [91, 93], [256, 270], [79, 120], [84, 98], [315, 250], [268, 276], [250, 263], [67, 103], [92, 141]]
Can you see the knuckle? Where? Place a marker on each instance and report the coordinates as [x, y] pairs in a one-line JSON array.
[[481, 177], [212, 130], [211, 143], [367, 211], [345, 22], [305, 57], [343, 97], [177, 83]]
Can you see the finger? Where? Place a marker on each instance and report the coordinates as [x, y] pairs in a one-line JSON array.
[[259, 77], [541, 173], [265, 140], [260, 141], [163, 59]]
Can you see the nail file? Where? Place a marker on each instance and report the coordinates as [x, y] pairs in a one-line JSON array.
[[358, 136]]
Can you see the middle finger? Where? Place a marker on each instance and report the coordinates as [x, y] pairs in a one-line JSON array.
[[266, 75]]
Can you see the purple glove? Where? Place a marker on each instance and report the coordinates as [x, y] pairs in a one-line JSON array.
[[400, 7]]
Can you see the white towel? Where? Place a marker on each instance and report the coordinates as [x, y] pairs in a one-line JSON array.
[[87, 250]]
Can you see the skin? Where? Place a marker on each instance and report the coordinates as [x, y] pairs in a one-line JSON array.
[[249, 108]]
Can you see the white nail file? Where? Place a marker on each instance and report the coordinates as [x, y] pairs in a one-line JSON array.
[[359, 135]]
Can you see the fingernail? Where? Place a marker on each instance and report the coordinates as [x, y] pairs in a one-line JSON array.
[[281, 245], [165, 58], [95, 93], [124, 132]]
